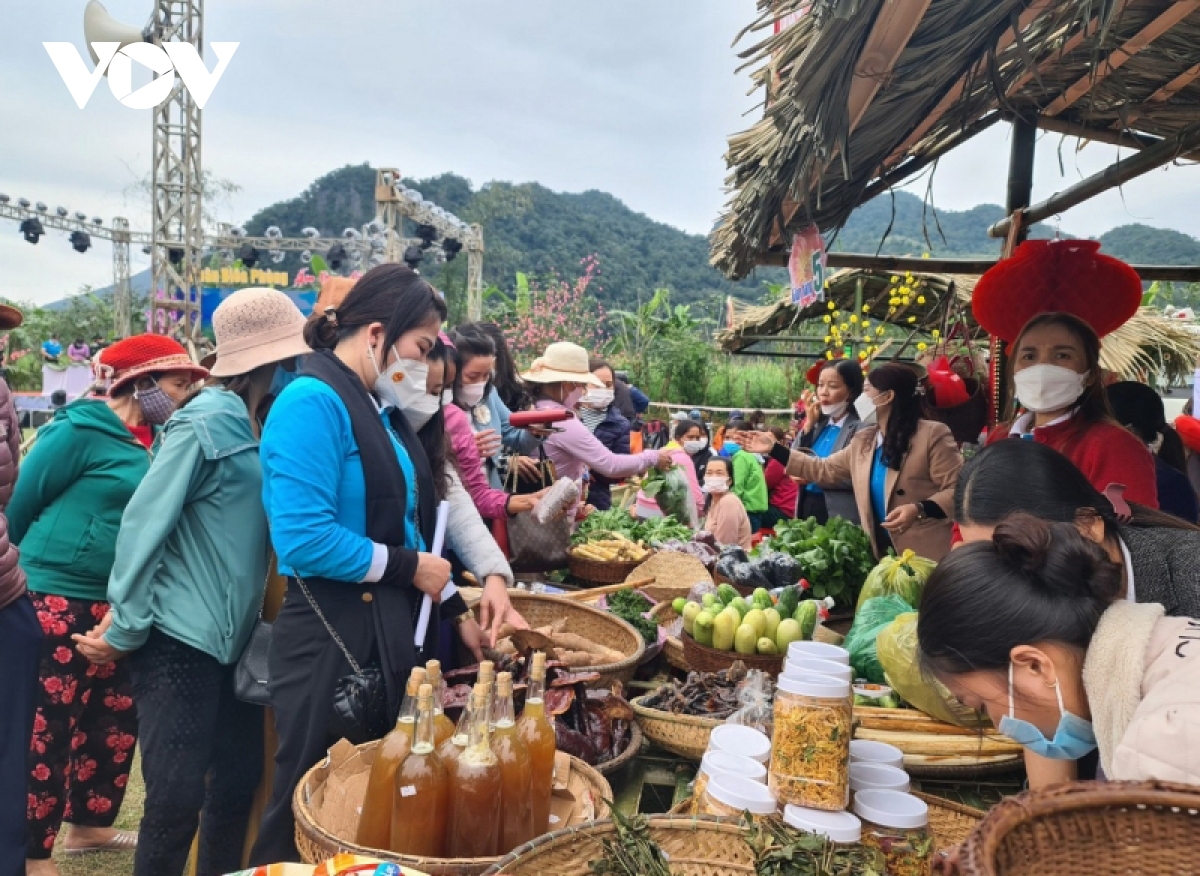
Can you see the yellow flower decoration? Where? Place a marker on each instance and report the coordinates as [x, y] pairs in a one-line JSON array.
[[879, 331], [853, 318], [912, 319], [843, 327], [893, 301], [829, 355], [924, 255], [827, 318], [895, 279], [866, 308], [832, 306], [828, 338], [936, 334], [920, 299], [922, 346]]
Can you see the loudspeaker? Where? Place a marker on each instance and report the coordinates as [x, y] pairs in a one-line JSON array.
[[100, 27]]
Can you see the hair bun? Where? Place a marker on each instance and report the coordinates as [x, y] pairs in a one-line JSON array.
[[1023, 542], [1057, 556]]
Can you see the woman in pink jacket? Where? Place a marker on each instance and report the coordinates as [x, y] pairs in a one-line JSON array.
[[560, 376], [1032, 626]]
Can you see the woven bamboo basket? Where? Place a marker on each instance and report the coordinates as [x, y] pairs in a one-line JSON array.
[[684, 735], [636, 740], [935, 749], [1089, 829], [317, 844], [592, 623], [697, 846], [705, 659], [664, 615], [601, 571], [674, 575]]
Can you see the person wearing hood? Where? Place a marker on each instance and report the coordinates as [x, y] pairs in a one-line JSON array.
[[65, 513], [185, 592]]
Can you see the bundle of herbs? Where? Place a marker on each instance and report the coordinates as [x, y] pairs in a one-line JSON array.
[[781, 850], [631, 606], [633, 852]]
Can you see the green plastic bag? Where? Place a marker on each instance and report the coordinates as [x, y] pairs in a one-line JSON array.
[[896, 648], [903, 575], [870, 620]]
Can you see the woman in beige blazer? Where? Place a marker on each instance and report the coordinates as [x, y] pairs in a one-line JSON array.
[[903, 468]]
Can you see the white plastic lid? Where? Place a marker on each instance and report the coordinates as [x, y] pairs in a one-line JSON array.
[[841, 827], [820, 650], [740, 739], [870, 751], [741, 794], [866, 776], [891, 809], [716, 763], [817, 686], [817, 666]]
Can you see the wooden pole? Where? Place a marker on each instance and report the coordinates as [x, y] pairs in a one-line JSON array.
[[1117, 174]]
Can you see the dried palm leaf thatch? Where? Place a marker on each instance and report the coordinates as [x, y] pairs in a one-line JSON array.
[[1150, 344]]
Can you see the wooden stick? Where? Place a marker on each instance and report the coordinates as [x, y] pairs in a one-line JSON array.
[[594, 593]]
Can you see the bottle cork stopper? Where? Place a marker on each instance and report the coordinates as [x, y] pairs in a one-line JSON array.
[[481, 695], [539, 665], [433, 670], [504, 684], [487, 670], [415, 679], [425, 697]]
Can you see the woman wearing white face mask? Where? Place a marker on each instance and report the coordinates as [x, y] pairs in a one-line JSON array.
[[561, 377], [597, 410], [1058, 381], [903, 467], [724, 514], [829, 426], [682, 431], [351, 496]]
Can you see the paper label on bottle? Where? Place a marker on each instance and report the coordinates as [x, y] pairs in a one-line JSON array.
[[554, 819], [408, 791]]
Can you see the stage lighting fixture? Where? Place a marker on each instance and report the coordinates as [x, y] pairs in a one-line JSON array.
[[62, 211], [32, 229], [309, 231], [248, 255], [41, 207], [80, 217], [278, 256], [428, 235], [413, 256], [451, 248], [81, 241], [174, 255], [336, 257], [24, 202], [3, 198]]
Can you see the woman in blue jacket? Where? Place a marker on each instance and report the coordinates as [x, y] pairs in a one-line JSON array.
[[185, 590], [354, 547]]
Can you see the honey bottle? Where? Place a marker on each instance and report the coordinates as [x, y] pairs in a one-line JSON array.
[[449, 749], [443, 727], [537, 733], [375, 822], [422, 790], [516, 803], [473, 825]]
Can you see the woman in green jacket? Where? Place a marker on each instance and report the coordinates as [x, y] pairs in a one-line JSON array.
[[64, 514], [185, 592]]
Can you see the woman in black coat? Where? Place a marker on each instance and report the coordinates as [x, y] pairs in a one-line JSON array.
[[830, 424]]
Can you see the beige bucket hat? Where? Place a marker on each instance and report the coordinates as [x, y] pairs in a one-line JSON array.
[[563, 362], [255, 327]]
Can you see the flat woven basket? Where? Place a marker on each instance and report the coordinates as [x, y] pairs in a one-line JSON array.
[[934, 749], [591, 623], [664, 615], [1090, 829], [696, 846], [704, 659], [601, 571], [684, 735], [316, 844], [674, 575]]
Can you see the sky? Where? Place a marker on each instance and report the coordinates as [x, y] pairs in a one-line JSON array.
[[632, 98]]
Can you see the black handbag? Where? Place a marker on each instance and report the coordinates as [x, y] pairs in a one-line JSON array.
[[359, 710], [533, 546], [252, 671]]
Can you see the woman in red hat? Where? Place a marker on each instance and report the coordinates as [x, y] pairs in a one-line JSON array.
[[1051, 303], [65, 512]]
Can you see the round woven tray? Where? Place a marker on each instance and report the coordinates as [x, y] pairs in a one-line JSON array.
[[601, 571], [636, 740], [674, 575], [592, 623], [697, 846], [1089, 829], [684, 735], [705, 659], [664, 615], [316, 844]]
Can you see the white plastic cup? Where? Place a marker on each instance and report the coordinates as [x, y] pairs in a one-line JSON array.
[[819, 650], [869, 751], [817, 666], [893, 809], [840, 827], [742, 794], [742, 740], [719, 763], [877, 776]]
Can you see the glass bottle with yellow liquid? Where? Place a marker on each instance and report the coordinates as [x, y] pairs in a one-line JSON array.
[[516, 803], [537, 732], [449, 749], [422, 791], [473, 826], [443, 727], [375, 821]]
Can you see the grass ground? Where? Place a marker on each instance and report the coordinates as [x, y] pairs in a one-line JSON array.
[[110, 863]]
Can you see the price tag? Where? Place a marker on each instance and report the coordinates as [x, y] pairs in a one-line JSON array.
[[408, 791]]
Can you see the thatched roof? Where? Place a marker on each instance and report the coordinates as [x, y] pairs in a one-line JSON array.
[[1104, 66], [1149, 344]]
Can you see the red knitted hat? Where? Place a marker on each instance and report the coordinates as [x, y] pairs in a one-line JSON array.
[[130, 358], [1048, 276], [813, 375]]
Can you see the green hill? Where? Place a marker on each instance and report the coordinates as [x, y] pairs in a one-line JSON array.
[[530, 228]]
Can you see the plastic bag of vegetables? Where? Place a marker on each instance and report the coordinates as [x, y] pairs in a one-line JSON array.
[[903, 575], [870, 621], [673, 493], [896, 649]]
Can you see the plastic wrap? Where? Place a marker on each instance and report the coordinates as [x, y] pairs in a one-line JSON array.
[[755, 697], [558, 499], [896, 647], [904, 576], [870, 621]]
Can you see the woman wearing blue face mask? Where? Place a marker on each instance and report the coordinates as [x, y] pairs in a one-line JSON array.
[[1031, 627]]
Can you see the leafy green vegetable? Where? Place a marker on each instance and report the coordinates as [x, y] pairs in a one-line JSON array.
[[673, 493], [602, 524], [629, 605], [835, 558]]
